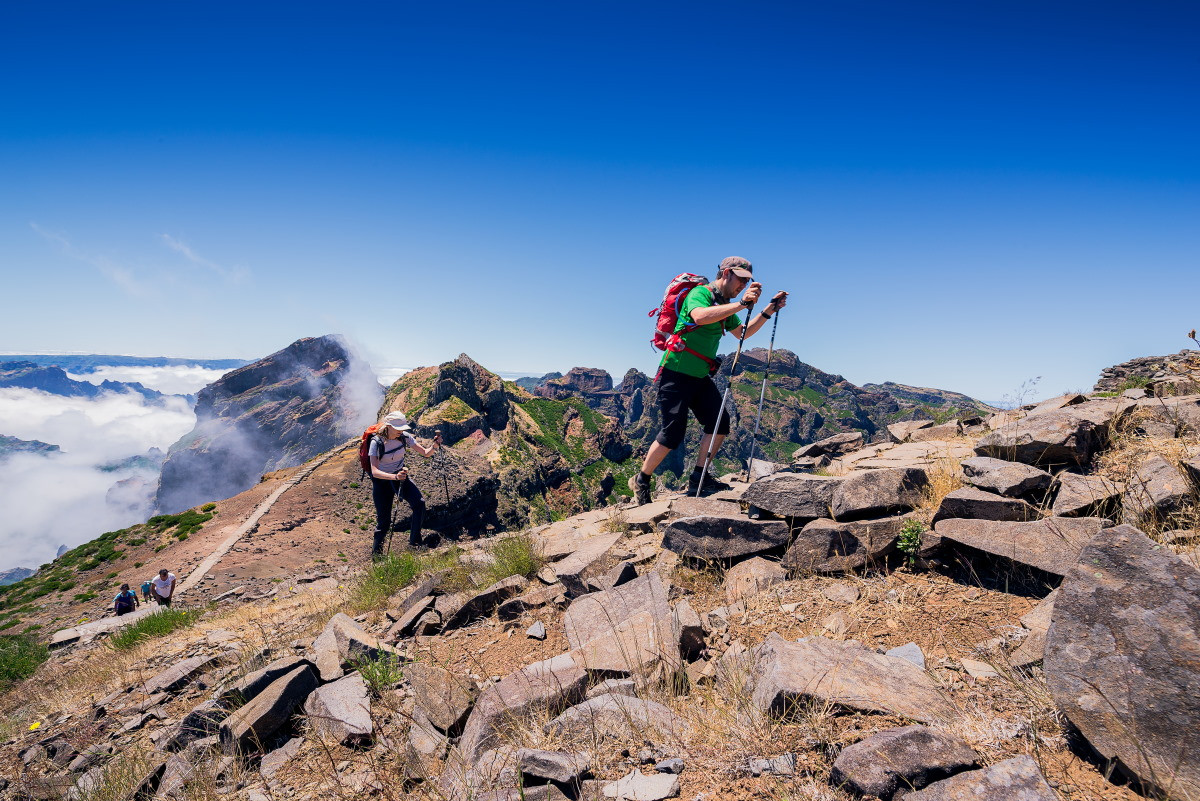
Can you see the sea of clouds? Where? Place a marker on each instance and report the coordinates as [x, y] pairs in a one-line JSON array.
[[65, 498]]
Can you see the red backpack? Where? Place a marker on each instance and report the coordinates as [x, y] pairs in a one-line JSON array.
[[665, 337], [364, 449]]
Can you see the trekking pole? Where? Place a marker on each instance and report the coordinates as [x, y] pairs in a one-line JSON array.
[[392, 522], [762, 394], [724, 396], [442, 467]]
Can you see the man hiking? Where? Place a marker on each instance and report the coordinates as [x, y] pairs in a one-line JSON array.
[[685, 376], [389, 478], [164, 587]]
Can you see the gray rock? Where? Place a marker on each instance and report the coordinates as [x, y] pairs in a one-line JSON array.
[[782, 765], [616, 717], [826, 546], [841, 593], [417, 595], [445, 697], [691, 506], [1157, 490], [793, 494], [536, 598], [639, 787], [712, 538], [623, 572], [876, 493], [843, 673], [253, 724], [178, 675], [342, 710], [673, 765], [344, 641], [552, 766], [406, 621], [1123, 657], [1068, 436], [547, 685], [537, 631], [749, 578], [909, 651], [424, 737], [628, 629], [836, 445], [615, 687], [1052, 544], [900, 432], [905, 758], [1176, 417], [1016, 779], [484, 602], [945, 431], [1010, 479], [272, 762], [255, 682], [589, 561], [1037, 622], [976, 504], [760, 468], [1085, 496], [201, 722], [691, 630]]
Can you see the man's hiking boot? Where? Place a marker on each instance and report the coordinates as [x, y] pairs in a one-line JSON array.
[[641, 488], [711, 485]]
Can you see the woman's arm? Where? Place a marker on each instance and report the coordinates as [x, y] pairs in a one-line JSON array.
[[424, 451]]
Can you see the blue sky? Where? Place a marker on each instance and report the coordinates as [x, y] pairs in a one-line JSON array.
[[960, 195]]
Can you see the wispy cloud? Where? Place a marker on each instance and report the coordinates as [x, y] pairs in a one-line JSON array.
[[237, 275], [122, 276]]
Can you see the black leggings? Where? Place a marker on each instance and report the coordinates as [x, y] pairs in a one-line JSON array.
[[383, 493], [679, 392]]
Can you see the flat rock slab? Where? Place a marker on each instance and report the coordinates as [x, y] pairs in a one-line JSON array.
[[342, 710], [253, 724], [616, 716], [876, 493], [551, 684], [647, 514], [177, 675], [1123, 657], [248, 688], [711, 538], [1010, 479], [1037, 622], [688, 506], [589, 561], [845, 673], [826, 546], [901, 431], [444, 697], [976, 504], [1016, 779], [628, 629], [1052, 545], [1157, 490], [845, 442], [637, 786], [793, 494], [1069, 436], [1083, 496], [749, 578], [906, 758]]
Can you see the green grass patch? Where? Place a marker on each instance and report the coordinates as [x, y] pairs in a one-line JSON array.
[[382, 673], [517, 555], [20, 657], [384, 578], [188, 522], [164, 621]]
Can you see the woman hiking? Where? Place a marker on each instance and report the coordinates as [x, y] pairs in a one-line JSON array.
[[389, 478], [126, 601]]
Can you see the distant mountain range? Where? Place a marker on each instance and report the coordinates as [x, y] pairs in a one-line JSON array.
[[81, 364], [30, 375], [15, 574], [11, 445]]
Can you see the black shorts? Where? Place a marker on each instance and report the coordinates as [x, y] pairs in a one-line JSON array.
[[679, 392]]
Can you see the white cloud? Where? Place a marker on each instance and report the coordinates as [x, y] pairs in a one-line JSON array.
[[177, 380], [122, 276], [47, 501], [235, 276]]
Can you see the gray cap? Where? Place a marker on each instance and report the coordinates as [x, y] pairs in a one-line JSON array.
[[741, 267]]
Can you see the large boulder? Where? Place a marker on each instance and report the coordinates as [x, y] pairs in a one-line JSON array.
[[1052, 544], [1123, 658], [247, 688], [876, 493], [627, 629], [793, 494], [976, 504], [1016, 779], [546, 686], [177, 675], [616, 716], [252, 725], [1085, 496], [1067, 436], [1010, 479], [900, 759], [342, 710], [712, 538], [786, 674], [749, 578], [903, 430], [826, 546], [1156, 490], [588, 561], [838, 444], [445, 697]]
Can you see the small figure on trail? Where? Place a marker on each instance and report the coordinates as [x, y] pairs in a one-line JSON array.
[[389, 478], [146, 585], [126, 601], [685, 376], [164, 587]]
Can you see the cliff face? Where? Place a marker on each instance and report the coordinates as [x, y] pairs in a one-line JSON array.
[[277, 412]]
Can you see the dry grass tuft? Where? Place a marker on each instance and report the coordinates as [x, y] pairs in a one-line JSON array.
[[945, 476]]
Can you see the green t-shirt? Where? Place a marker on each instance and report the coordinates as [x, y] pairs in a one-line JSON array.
[[703, 339]]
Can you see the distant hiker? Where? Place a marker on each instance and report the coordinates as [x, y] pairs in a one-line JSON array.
[[126, 601], [146, 585], [685, 376], [164, 587], [389, 478]]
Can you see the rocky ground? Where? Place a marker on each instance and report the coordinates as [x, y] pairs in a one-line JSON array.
[[1005, 610]]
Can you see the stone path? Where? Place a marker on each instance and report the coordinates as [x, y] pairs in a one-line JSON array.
[[89, 630]]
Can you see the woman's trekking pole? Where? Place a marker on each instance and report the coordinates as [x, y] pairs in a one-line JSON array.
[[762, 393], [724, 397], [442, 467]]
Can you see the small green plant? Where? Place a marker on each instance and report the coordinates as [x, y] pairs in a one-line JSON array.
[[85, 596], [354, 485], [384, 577], [1134, 382], [164, 621], [514, 556], [20, 657], [208, 507], [381, 673], [910, 539]]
